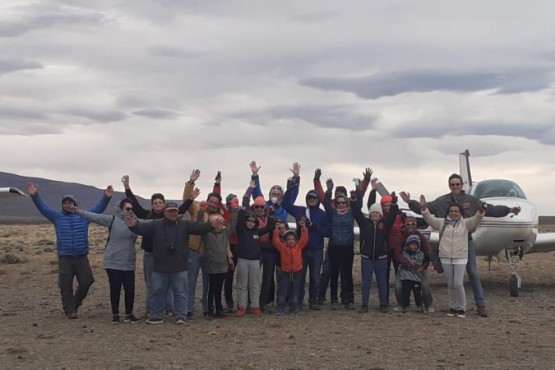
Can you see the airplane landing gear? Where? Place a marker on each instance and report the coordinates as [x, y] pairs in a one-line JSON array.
[[514, 255]]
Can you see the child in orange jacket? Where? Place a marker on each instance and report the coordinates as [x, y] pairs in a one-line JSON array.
[[291, 251]]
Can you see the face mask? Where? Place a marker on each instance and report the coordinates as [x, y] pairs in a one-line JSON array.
[[273, 199]]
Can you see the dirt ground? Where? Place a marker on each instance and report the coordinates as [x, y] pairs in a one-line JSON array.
[[34, 334]]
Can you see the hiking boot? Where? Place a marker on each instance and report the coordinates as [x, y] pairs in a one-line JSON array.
[[452, 312], [349, 306], [240, 312], [482, 311], [115, 319], [314, 307], [180, 321], [460, 313], [256, 311], [154, 321], [363, 309], [131, 319]]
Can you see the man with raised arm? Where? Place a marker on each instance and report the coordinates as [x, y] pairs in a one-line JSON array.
[[72, 244]]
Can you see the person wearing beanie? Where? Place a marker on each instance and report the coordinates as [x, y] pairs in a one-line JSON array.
[[373, 250], [340, 249], [157, 202], [318, 227], [410, 274], [72, 245], [291, 270]]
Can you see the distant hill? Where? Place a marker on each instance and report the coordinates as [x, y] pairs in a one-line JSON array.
[[52, 192]]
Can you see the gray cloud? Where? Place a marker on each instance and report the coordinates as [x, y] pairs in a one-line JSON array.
[[174, 52], [99, 116], [315, 17], [17, 114], [16, 64], [394, 83], [156, 113]]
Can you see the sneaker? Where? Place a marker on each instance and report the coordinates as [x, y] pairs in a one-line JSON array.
[[229, 308], [180, 321], [280, 312], [334, 306], [363, 309], [321, 301], [131, 319], [398, 309], [296, 312], [430, 310], [240, 312], [154, 321], [220, 315], [349, 306], [420, 309], [452, 312], [460, 313], [314, 307], [482, 311], [115, 319], [256, 311], [384, 308], [71, 315]]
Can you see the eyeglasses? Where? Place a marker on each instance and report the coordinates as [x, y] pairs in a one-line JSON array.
[[128, 208], [410, 224], [339, 203], [259, 207], [455, 184]]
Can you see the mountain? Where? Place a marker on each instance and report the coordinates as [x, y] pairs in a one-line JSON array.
[[52, 192]]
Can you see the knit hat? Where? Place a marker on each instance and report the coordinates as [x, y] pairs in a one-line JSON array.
[[341, 189], [386, 199], [229, 198], [70, 198], [376, 208], [259, 201], [413, 239]]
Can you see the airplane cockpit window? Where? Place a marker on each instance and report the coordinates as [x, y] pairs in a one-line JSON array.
[[498, 188]]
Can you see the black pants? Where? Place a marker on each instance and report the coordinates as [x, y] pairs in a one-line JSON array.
[[228, 285], [117, 279], [390, 260], [68, 268], [325, 279], [215, 285], [267, 286], [409, 286], [341, 264]]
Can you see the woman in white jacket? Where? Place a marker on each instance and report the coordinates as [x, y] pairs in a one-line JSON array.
[[453, 250]]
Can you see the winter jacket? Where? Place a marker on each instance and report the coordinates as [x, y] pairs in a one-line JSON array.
[[341, 225], [276, 211], [407, 272], [216, 245], [248, 243], [291, 257], [453, 242], [397, 250], [72, 231], [171, 241], [120, 253]]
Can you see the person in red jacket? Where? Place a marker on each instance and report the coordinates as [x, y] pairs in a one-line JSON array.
[[291, 251]]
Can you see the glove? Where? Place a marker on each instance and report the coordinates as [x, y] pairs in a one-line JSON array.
[[367, 174], [317, 174], [394, 198]]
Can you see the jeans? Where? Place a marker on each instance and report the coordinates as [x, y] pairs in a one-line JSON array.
[[368, 268], [178, 283], [68, 268], [472, 271], [267, 286], [117, 279], [148, 268], [284, 289], [312, 260], [196, 263], [341, 264]]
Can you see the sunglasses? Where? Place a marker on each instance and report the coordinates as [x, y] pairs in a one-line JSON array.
[[312, 197], [455, 184], [410, 224], [128, 208], [338, 203], [259, 207], [251, 220]]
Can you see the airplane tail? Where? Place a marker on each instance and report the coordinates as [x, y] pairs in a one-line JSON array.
[[464, 168]]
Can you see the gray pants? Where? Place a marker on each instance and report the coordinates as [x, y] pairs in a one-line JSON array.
[[68, 268], [249, 274], [424, 285], [455, 287]]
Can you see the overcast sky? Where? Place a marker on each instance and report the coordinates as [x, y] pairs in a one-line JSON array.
[[92, 90]]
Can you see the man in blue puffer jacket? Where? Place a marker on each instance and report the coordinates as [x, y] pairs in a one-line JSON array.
[[72, 244]]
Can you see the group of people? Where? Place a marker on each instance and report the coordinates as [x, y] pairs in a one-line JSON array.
[[246, 242]]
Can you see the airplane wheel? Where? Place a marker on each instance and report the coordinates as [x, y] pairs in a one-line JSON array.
[[513, 286]]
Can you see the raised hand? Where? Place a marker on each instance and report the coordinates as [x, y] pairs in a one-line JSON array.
[[195, 194], [422, 202], [254, 168], [374, 183], [405, 196], [32, 189], [367, 173], [109, 191], [125, 181], [394, 198], [329, 184], [194, 176], [252, 184], [296, 169], [218, 178], [317, 174]]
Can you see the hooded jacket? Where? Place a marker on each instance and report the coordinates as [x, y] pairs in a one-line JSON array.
[[291, 257], [341, 225], [248, 245], [318, 224], [72, 231]]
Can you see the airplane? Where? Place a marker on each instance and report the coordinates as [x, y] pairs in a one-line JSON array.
[[6, 193]]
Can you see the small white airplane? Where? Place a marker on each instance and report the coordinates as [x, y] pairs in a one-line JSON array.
[[11, 193]]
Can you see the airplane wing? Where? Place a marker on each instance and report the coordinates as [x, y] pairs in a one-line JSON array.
[[545, 242], [6, 193]]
